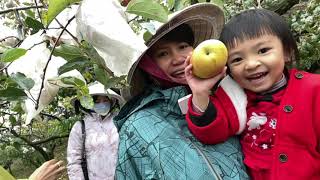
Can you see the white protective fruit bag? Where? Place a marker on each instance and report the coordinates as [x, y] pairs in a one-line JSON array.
[[104, 25], [32, 64]]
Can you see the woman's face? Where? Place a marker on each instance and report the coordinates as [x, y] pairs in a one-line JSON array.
[[170, 57], [102, 105]]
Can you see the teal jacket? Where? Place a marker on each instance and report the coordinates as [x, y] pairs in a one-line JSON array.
[[155, 143]]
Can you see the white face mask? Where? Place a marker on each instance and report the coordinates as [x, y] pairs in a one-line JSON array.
[[102, 108]]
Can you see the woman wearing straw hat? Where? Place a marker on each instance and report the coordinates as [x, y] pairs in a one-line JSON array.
[[155, 142], [93, 142]]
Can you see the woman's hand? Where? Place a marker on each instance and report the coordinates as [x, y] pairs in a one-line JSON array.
[[50, 170]]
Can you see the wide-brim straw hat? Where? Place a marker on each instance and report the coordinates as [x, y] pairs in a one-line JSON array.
[[206, 21], [98, 89]]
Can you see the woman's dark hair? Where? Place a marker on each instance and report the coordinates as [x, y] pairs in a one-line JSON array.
[[95, 98], [182, 33], [253, 23]]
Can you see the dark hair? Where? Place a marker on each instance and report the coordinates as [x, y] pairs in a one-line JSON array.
[[253, 23], [182, 33], [95, 98]]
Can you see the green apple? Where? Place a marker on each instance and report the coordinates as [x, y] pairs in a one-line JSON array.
[[209, 58]]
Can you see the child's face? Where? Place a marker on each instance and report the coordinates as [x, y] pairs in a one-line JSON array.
[[257, 64], [170, 57]]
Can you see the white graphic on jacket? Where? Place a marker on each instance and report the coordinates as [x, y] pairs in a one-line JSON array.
[[256, 120], [260, 130], [273, 123]]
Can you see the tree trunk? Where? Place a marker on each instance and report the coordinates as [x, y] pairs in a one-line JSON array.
[[281, 7]]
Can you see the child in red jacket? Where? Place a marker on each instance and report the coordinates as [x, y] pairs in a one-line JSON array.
[[280, 127]]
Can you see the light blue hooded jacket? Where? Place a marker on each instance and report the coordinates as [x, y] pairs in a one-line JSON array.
[[155, 143]]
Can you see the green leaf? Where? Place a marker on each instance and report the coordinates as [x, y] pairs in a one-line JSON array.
[[146, 36], [218, 3], [12, 120], [16, 145], [30, 13], [148, 9], [27, 3], [91, 52], [55, 7], [33, 24], [68, 52], [17, 107], [86, 101], [170, 4], [12, 54], [12, 94], [113, 81], [78, 63], [23, 81], [181, 4], [83, 90], [5, 174], [101, 75], [73, 81]]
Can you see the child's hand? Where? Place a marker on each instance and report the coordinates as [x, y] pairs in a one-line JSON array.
[[197, 85]]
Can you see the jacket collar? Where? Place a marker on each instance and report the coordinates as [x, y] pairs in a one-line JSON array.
[[169, 97], [96, 117], [276, 95]]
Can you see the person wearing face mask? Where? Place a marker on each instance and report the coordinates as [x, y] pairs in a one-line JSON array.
[[93, 142]]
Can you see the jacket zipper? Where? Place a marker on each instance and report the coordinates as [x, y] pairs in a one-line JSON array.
[[211, 168]]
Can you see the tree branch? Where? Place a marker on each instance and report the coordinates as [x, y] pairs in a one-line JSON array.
[[50, 139], [5, 67], [20, 25], [4, 103], [52, 116], [2, 112], [73, 37], [282, 6], [9, 38], [20, 8], [39, 14], [31, 97], [135, 18], [44, 41], [50, 56], [37, 148]]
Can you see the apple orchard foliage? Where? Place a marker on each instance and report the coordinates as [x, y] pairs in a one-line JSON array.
[[40, 140]]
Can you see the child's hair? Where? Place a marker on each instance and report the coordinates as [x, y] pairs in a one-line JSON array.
[[253, 23]]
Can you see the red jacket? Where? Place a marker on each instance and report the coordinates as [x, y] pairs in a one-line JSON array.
[[288, 143]]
